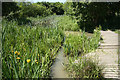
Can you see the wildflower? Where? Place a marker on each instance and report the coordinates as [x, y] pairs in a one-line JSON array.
[[16, 52], [38, 55], [18, 58], [97, 76], [28, 60], [37, 62]]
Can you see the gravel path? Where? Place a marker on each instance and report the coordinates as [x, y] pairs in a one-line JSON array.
[[107, 54]]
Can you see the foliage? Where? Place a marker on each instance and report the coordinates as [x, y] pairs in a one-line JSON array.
[[68, 8], [19, 10], [74, 45], [67, 23], [28, 51], [33, 10], [117, 31], [84, 68], [8, 7], [49, 21], [63, 22], [91, 14], [56, 8]]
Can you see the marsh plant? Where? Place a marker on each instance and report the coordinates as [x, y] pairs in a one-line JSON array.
[[80, 44], [49, 21], [75, 47], [66, 23], [63, 22], [28, 52], [83, 68]]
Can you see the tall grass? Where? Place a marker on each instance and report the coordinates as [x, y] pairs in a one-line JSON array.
[[67, 23], [63, 22], [49, 21], [28, 51], [84, 68], [74, 45]]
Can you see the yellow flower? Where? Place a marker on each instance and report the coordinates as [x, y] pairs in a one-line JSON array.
[[37, 62], [18, 58], [38, 55], [16, 52], [28, 60]]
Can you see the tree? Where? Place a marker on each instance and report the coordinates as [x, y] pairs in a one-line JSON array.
[[92, 14], [58, 8], [8, 7]]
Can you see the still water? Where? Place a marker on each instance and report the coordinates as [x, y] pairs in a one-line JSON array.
[[57, 69]]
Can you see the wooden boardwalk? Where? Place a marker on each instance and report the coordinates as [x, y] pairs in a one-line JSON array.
[[107, 54]]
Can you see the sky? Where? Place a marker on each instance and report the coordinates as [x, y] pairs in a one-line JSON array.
[[47, 1]]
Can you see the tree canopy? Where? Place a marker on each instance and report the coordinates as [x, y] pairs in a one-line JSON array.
[[92, 14], [89, 15]]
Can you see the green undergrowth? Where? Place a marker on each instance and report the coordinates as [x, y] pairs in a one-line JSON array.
[[63, 22], [75, 47], [28, 52], [67, 23], [117, 31], [48, 21], [84, 68]]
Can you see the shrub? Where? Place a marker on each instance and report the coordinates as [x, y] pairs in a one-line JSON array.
[[33, 10]]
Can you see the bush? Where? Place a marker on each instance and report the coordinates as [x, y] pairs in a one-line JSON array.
[[33, 10]]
